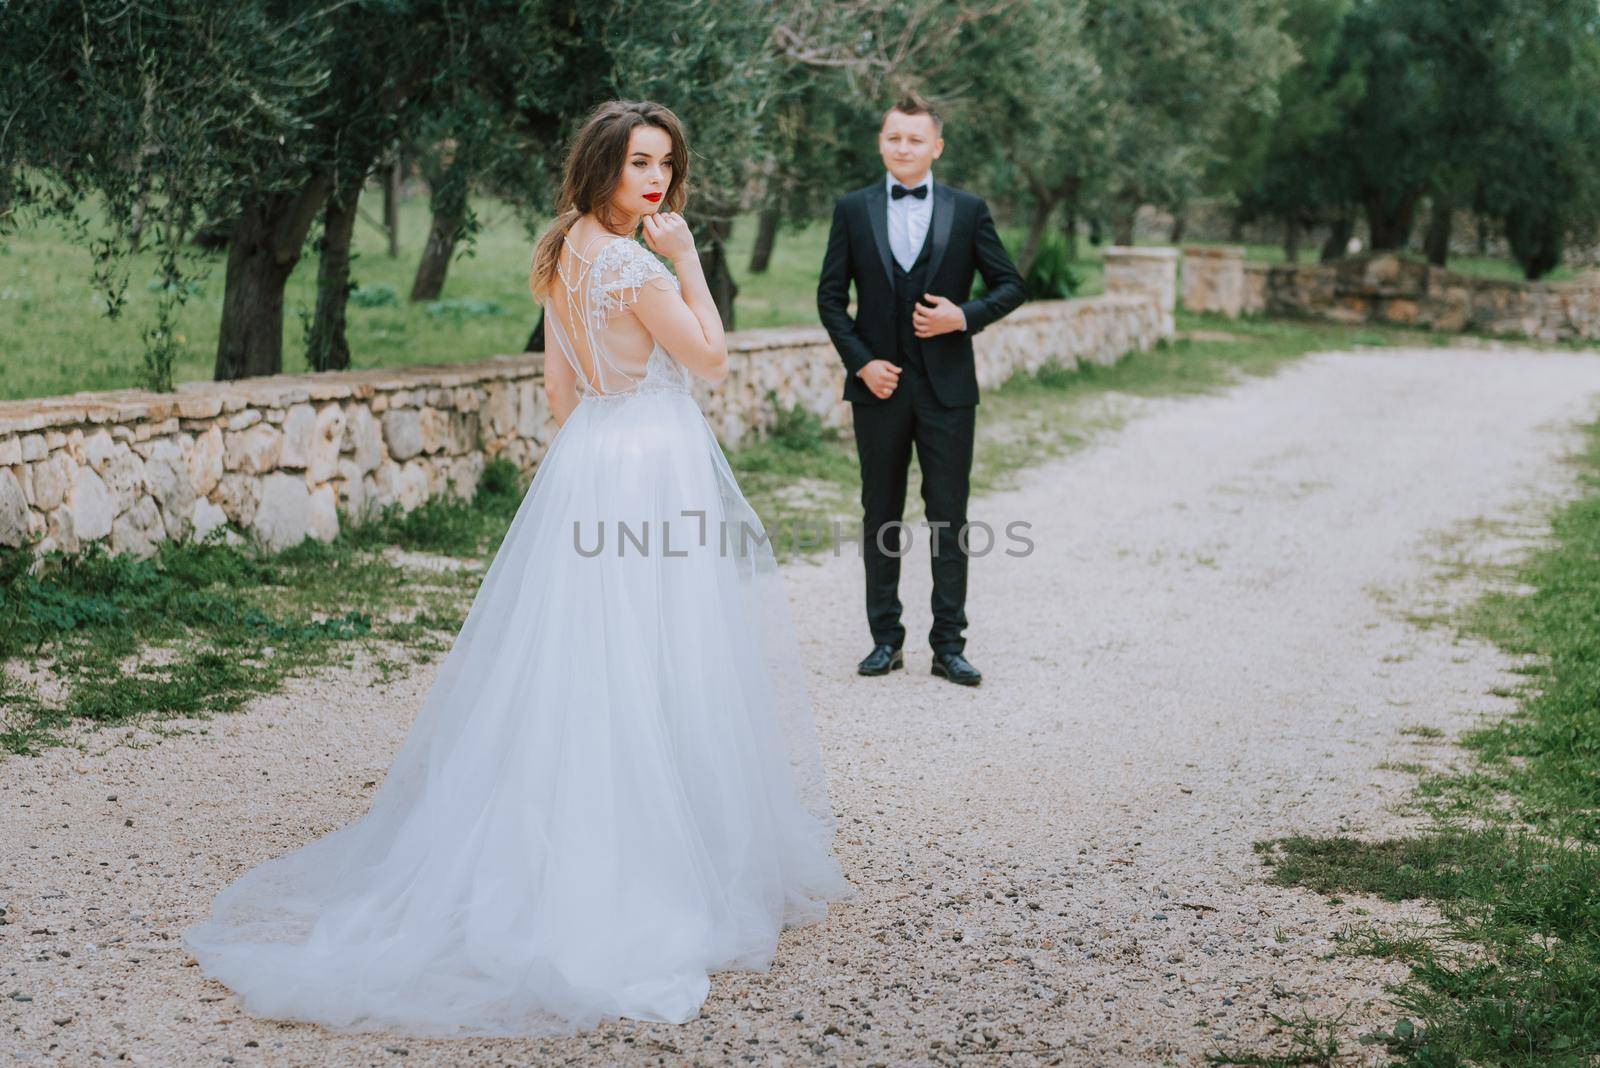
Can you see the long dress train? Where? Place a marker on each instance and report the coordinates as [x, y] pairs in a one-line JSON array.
[[613, 787]]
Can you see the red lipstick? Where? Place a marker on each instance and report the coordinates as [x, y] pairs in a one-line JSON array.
[[652, 197]]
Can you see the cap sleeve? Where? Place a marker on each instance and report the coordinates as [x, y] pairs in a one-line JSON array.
[[624, 267]]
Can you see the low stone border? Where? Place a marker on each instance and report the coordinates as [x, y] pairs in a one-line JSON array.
[[286, 457], [1389, 289]]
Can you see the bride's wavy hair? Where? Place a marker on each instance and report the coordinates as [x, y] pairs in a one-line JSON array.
[[593, 170]]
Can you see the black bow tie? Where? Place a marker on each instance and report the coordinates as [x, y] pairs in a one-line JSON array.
[[920, 192]]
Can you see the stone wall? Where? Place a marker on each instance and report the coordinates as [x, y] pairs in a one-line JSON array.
[[1385, 288], [1145, 269], [1213, 279], [287, 457]]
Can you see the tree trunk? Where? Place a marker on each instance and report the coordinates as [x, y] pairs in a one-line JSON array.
[[267, 240], [1389, 224], [714, 262], [766, 238], [1069, 230], [1038, 222], [1096, 230], [1437, 241], [328, 348], [391, 202], [1235, 229], [449, 213], [1338, 239], [1122, 225], [1291, 239], [1180, 223]]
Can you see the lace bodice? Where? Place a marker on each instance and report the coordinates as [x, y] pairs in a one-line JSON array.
[[597, 295]]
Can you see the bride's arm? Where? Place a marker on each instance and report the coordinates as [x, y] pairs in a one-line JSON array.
[[687, 324]]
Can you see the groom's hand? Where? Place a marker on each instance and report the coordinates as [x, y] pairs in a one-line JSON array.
[[937, 315], [881, 377]]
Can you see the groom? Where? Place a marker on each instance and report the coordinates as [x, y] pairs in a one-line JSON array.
[[911, 247]]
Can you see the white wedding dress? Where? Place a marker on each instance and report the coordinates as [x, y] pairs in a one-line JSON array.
[[613, 787]]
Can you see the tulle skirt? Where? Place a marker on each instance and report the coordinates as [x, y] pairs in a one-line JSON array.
[[612, 789]]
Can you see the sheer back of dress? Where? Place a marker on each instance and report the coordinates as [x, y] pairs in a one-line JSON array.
[[587, 311]]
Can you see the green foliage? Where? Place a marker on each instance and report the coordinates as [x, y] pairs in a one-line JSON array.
[[1176, 71], [1053, 275], [797, 428], [381, 295], [1493, 104], [461, 308]]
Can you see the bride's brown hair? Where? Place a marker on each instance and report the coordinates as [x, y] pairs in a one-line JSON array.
[[593, 170]]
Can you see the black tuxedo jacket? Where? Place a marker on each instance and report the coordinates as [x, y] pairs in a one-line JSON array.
[[964, 241]]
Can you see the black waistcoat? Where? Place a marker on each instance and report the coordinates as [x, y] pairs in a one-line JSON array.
[[909, 286]]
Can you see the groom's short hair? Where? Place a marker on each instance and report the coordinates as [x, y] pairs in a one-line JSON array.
[[915, 104]]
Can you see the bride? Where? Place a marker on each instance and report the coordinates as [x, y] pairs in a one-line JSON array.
[[613, 786]]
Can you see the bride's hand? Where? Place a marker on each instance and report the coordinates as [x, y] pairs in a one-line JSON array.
[[668, 235]]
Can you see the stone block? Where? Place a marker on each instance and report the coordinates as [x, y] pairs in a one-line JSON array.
[[501, 410], [124, 476], [411, 484], [205, 461], [238, 495], [254, 451], [98, 449], [322, 517], [363, 439], [298, 425], [435, 429], [352, 489], [207, 517], [283, 515], [14, 512], [327, 437], [52, 478], [90, 506], [139, 530], [402, 432]]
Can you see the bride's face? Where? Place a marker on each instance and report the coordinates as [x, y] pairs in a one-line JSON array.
[[646, 172]]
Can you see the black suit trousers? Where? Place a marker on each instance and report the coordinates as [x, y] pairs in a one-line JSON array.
[[885, 433]]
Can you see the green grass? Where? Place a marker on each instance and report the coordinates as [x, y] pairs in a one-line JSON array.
[[60, 341], [1511, 855]]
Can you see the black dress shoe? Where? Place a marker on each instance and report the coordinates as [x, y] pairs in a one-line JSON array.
[[954, 667], [883, 659]]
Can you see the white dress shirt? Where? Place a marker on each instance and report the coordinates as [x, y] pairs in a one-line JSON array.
[[908, 220]]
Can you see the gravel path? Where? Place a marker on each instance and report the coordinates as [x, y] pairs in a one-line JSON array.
[[1208, 646]]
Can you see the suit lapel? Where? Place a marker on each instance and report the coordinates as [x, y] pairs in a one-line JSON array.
[[944, 210], [878, 214]]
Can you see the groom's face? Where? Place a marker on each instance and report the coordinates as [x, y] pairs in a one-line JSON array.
[[909, 144]]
